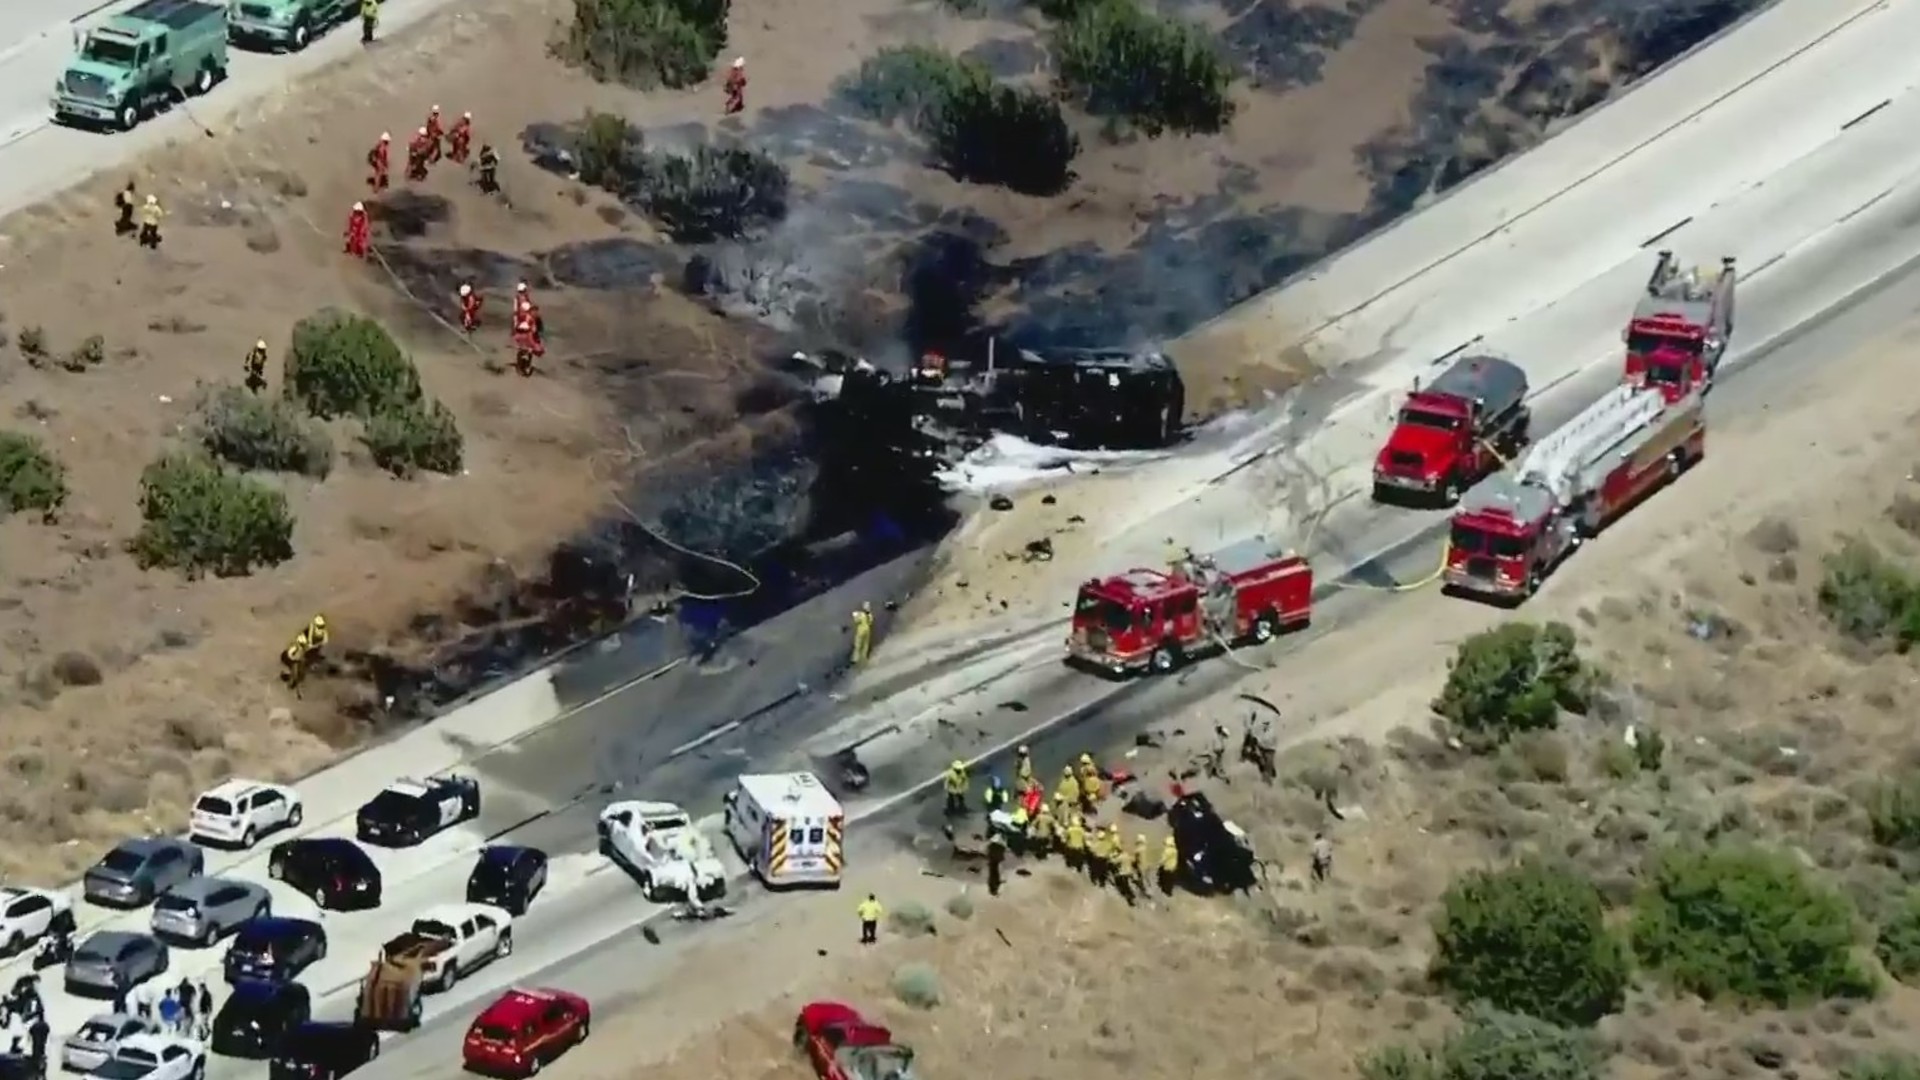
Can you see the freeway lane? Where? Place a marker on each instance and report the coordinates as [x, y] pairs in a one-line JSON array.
[[619, 968]]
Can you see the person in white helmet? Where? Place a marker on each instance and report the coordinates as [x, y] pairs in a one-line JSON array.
[[736, 86], [470, 302], [379, 163], [257, 366], [434, 134], [359, 229], [460, 138], [150, 215], [417, 149]]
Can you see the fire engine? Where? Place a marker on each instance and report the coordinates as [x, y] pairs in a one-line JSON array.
[[1156, 620], [1680, 328], [1464, 425], [1510, 531]]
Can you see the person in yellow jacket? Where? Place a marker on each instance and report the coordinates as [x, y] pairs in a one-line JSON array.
[[1023, 774], [1017, 822], [1099, 856], [317, 634], [1090, 783], [150, 216], [1040, 833], [862, 633], [369, 19], [1169, 864], [869, 911], [956, 788], [1068, 793], [1142, 857], [1125, 870], [293, 662], [1073, 841]]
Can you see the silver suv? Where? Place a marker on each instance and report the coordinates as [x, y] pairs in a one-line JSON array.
[[201, 910]]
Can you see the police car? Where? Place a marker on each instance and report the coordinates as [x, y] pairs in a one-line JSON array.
[[409, 811]]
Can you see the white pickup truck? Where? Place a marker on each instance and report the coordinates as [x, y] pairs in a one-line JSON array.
[[451, 940], [657, 843]]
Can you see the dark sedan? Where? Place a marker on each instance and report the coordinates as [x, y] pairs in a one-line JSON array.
[[336, 872], [274, 950], [507, 876]]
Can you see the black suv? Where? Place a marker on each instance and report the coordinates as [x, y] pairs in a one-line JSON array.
[[507, 876], [274, 950], [258, 1017], [410, 811], [1215, 856], [324, 1052], [335, 871]]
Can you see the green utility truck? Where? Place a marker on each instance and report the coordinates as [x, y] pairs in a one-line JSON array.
[[286, 24], [146, 57]]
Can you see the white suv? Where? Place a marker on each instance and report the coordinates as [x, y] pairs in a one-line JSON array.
[[242, 811]]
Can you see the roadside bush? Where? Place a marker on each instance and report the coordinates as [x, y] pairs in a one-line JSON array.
[[254, 432], [30, 477], [980, 131], [960, 906], [1868, 598], [1898, 942], [1893, 812], [200, 518], [714, 193], [1492, 1045], [347, 365], [1883, 1067], [912, 919], [1514, 678], [646, 43], [1532, 938], [1157, 73], [423, 436], [90, 353], [1746, 925], [607, 151], [917, 985]]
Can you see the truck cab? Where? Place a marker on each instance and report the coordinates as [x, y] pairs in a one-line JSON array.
[[1679, 329], [1503, 545], [451, 940], [129, 66], [1448, 434], [659, 844]]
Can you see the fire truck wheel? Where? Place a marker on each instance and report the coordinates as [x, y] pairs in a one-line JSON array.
[[1264, 628], [1163, 660], [1450, 491]]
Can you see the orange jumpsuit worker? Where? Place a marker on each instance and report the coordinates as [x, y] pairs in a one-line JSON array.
[[459, 138], [527, 346], [469, 309], [736, 86], [378, 163], [357, 230], [417, 156], [434, 132]]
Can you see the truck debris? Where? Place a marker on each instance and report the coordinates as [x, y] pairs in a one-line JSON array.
[[1463, 426], [1514, 528], [1679, 329], [1156, 620]]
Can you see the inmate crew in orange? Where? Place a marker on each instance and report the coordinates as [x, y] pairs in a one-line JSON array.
[[380, 163], [434, 132], [358, 229], [470, 303], [460, 138]]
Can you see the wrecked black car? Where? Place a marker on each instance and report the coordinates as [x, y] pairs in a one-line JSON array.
[[1215, 855]]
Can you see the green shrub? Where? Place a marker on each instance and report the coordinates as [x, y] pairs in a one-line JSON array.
[[90, 353], [1157, 73], [607, 150], [200, 518], [30, 477], [912, 919], [1868, 598], [714, 193], [1532, 938], [960, 906], [347, 365], [1746, 925], [1883, 1067], [1492, 1045], [255, 432], [1893, 812], [423, 436], [646, 43], [917, 985], [1898, 942], [980, 131], [1514, 678]]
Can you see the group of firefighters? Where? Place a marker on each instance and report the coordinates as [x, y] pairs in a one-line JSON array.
[[1028, 824]]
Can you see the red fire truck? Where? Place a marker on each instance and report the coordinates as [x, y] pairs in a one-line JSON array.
[[1453, 431], [1155, 620], [1513, 529], [1680, 328]]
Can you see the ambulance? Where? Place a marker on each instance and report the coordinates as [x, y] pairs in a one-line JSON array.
[[788, 828]]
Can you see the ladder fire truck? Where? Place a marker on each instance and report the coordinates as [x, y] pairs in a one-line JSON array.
[[1680, 328], [1512, 529]]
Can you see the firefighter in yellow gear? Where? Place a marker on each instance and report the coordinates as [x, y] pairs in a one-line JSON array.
[[124, 205], [1090, 782], [257, 366], [369, 20], [1074, 841], [1169, 864], [1142, 855], [317, 633], [869, 912], [1040, 832], [1125, 869], [1099, 856], [293, 662], [863, 633], [1069, 790], [956, 788], [1017, 829], [150, 215], [1023, 768]]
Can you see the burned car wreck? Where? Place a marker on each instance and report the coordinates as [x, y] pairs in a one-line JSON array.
[[1083, 399]]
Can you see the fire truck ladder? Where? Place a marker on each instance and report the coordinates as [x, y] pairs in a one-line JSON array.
[[1560, 461]]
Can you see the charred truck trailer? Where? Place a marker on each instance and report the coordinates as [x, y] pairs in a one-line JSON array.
[[1464, 425], [1512, 529]]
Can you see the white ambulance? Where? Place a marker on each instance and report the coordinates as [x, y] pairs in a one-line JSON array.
[[788, 828]]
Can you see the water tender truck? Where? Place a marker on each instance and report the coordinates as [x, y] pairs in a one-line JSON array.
[[1462, 426], [134, 63]]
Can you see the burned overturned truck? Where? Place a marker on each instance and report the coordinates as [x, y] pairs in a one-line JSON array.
[[1085, 399]]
